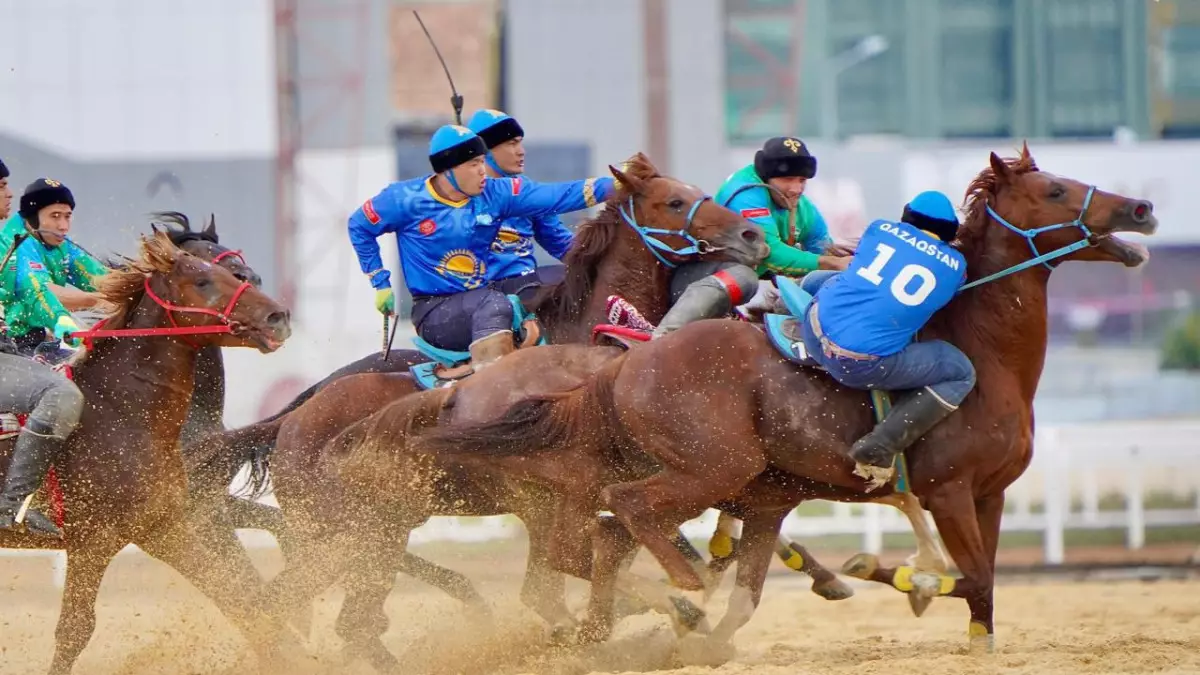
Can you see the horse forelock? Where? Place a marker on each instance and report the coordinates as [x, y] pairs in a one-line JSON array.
[[124, 286], [981, 192]]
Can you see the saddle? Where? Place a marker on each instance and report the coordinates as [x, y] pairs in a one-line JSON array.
[[447, 366]]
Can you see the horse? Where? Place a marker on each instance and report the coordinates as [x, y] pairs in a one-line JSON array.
[[611, 254], [712, 414], [121, 474]]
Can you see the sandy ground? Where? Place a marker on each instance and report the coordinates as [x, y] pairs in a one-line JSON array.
[[151, 621]]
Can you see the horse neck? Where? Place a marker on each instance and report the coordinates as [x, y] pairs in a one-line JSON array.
[[1001, 325], [630, 270], [136, 375]]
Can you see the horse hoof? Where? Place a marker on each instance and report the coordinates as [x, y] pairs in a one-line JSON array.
[[832, 589], [686, 617], [925, 589], [629, 606], [861, 566]]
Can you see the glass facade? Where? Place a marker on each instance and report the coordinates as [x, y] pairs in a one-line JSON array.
[[963, 68]]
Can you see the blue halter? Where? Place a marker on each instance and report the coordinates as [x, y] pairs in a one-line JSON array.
[[1041, 258], [698, 246]]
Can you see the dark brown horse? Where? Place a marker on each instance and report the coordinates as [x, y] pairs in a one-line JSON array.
[[712, 415], [608, 257], [121, 473]]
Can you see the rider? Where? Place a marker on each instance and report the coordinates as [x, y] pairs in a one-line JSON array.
[[787, 218], [445, 224], [52, 403], [862, 323], [511, 264], [43, 264]]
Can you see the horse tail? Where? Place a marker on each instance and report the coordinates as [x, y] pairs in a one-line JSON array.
[[363, 452], [214, 461], [537, 424]]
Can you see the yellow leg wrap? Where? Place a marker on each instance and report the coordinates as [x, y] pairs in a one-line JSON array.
[[902, 581], [976, 629], [721, 545], [791, 558]]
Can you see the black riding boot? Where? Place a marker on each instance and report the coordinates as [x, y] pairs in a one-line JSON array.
[[910, 419], [32, 457]]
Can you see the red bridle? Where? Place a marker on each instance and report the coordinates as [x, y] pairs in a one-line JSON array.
[[175, 330], [228, 254]]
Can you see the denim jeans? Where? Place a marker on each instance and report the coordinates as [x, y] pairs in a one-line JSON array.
[[935, 364]]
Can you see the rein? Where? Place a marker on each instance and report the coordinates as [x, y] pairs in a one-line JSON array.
[[226, 326]]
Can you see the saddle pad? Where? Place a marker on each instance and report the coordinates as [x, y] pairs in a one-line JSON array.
[[425, 375], [794, 298], [785, 336]]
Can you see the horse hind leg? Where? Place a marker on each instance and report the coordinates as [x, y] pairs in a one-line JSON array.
[[825, 583]]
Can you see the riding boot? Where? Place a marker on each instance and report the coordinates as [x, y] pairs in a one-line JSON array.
[[910, 419], [487, 350], [32, 456], [699, 301]]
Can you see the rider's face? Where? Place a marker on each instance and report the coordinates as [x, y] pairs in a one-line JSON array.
[[470, 176], [5, 199], [54, 223], [510, 155], [792, 188]]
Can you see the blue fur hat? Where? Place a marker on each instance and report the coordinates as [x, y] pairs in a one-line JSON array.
[[933, 212], [494, 127], [452, 145], [3, 170]]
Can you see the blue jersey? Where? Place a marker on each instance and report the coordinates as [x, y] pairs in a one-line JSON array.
[[445, 246], [512, 250], [898, 278]]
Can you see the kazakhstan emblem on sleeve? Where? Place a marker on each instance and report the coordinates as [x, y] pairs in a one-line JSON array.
[[462, 264]]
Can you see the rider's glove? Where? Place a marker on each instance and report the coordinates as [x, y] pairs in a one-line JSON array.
[[63, 327], [385, 301]]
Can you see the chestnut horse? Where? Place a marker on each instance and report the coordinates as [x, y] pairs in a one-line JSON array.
[[712, 415], [121, 473], [611, 255]]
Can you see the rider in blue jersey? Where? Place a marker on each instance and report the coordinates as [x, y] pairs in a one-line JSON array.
[[862, 324], [513, 268], [445, 224]]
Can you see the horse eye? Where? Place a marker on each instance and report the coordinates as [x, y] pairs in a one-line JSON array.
[[675, 203], [203, 282], [1057, 192]]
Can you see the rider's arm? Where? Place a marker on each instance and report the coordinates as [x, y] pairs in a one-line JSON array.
[[523, 197], [552, 235], [755, 206], [82, 269], [74, 299], [378, 215], [33, 284]]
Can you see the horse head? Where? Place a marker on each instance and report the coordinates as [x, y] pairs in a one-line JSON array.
[[204, 244], [1043, 216], [677, 222], [206, 302]]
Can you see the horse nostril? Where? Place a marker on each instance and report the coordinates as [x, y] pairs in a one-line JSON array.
[[277, 319], [1141, 210], [751, 235]]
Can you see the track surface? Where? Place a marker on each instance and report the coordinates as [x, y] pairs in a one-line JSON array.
[[150, 621]]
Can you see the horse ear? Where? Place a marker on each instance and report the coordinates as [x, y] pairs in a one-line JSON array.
[[1000, 168], [630, 183], [210, 230], [154, 228]]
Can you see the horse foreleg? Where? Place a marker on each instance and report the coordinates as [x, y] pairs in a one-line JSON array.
[[825, 583], [759, 534], [213, 560], [954, 512], [544, 589], [362, 620], [930, 557], [611, 545], [77, 617]]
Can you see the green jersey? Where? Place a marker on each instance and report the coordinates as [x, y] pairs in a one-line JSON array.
[[796, 238]]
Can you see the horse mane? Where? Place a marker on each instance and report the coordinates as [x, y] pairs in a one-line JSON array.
[[565, 302], [179, 228], [124, 286], [980, 193]]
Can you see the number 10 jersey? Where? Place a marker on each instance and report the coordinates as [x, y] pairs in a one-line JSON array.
[[898, 278]]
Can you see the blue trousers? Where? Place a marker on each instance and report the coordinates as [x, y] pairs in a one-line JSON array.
[[455, 321], [935, 364]]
